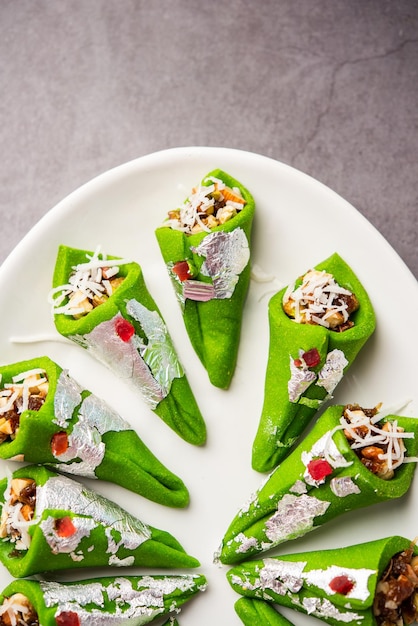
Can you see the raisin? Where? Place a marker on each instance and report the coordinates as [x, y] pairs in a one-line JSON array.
[[28, 494]]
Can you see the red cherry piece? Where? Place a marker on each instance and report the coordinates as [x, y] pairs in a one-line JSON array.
[[319, 469], [67, 618], [312, 357], [341, 584], [64, 527], [59, 443], [182, 270], [297, 362], [124, 329]]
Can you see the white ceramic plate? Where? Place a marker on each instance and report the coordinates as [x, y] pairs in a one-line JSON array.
[[299, 222]]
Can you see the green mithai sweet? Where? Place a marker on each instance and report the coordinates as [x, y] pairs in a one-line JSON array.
[[103, 304], [309, 352], [338, 586], [50, 522], [112, 600], [326, 475], [206, 247], [46, 417], [259, 613]]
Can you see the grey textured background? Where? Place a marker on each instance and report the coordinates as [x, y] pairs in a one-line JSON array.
[[327, 86]]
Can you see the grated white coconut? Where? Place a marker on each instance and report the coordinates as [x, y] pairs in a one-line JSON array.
[[21, 387], [391, 437], [316, 299], [200, 202], [85, 282], [17, 608]]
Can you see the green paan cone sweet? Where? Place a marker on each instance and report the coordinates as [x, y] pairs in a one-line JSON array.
[[339, 586], [103, 304], [206, 247], [259, 613], [326, 475], [332, 318], [50, 522], [112, 600], [46, 417]]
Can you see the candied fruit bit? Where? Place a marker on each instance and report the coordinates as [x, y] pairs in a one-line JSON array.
[[182, 270], [312, 357], [59, 443], [319, 469], [124, 329], [341, 584], [64, 527], [67, 618]]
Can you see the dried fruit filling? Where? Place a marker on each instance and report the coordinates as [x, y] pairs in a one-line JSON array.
[[207, 207], [18, 511], [379, 446], [18, 611], [18, 514], [27, 391], [396, 598], [89, 285], [320, 300]]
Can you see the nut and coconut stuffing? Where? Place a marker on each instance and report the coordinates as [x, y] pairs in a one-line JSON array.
[[207, 207], [320, 300], [380, 447], [89, 285], [27, 391], [396, 598], [18, 611], [18, 511]]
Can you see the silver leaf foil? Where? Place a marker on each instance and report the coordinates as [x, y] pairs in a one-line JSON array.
[[328, 377], [300, 379], [226, 255], [343, 486], [282, 577], [85, 451], [66, 545], [158, 353], [325, 446], [122, 357], [294, 517], [97, 414], [116, 603], [332, 371], [322, 578], [286, 578], [323, 608], [66, 399], [95, 418], [63, 494], [245, 543], [198, 290]]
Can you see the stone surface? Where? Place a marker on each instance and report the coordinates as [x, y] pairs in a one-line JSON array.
[[327, 86]]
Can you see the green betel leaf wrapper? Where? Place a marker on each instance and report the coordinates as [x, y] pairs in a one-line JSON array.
[[76, 432], [259, 613], [74, 527], [220, 262], [321, 479], [128, 334], [101, 601], [337, 586], [293, 395]]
